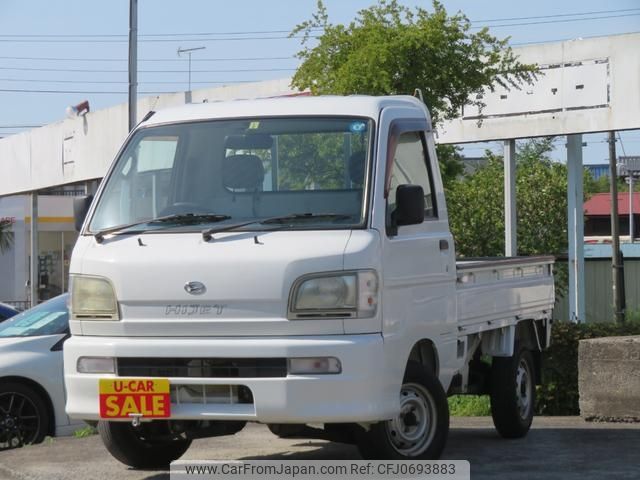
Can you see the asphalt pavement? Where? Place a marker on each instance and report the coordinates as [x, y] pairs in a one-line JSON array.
[[564, 448]]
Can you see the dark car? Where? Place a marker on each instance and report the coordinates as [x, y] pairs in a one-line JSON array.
[[7, 311]]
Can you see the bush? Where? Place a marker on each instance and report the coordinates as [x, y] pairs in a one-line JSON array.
[[469, 405], [558, 394]]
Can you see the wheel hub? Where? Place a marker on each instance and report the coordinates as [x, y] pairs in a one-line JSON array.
[[19, 421], [524, 389], [412, 431]]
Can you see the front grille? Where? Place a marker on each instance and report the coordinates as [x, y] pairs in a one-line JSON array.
[[210, 394], [202, 367]]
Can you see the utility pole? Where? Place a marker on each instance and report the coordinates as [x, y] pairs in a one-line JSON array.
[[510, 217], [34, 276], [616, 258], [631, 174], [133, 63], [189, 51]]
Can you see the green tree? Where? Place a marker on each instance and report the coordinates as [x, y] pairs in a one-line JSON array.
[[392, 49], [476, 205], [6, 236]]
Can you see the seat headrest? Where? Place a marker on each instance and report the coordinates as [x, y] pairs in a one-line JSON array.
[[356, 167], [242, 172]]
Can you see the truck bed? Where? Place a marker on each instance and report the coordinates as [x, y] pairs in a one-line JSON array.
[[497, 292]]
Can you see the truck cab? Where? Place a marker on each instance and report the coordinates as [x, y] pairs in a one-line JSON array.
[[289, 261]]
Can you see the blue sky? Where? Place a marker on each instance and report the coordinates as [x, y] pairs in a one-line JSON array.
[[21, 21]]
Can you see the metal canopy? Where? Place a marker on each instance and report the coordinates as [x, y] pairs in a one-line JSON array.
[[587, 85]]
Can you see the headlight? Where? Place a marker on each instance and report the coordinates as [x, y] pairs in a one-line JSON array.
[[93, 298], [353, 294]]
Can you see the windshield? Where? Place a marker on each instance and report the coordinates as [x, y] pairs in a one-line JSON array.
[[247, 170], [48, 318]]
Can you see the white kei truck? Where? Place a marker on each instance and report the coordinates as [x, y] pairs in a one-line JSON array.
[[288, 261]]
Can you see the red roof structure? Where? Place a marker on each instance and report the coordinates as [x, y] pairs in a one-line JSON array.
[[600, 204]]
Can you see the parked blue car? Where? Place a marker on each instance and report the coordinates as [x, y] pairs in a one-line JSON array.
[[7, 311]]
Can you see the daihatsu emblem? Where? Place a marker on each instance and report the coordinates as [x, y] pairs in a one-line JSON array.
[[195, 288]]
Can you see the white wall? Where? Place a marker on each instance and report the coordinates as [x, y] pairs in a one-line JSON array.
[[80, 149], [590, 85]]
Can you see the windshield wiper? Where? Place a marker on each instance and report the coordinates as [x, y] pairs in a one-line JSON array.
[[186, 218], [208, 233]]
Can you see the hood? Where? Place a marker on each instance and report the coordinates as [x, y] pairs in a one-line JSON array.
[[248, 279], [39, 344]]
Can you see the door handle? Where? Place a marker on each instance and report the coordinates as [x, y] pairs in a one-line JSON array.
[[444, 245]]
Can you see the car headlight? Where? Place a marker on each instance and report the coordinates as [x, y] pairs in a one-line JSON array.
[[93, 298], [352, 294]]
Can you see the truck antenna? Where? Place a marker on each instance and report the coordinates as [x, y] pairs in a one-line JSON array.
[[418, 94]]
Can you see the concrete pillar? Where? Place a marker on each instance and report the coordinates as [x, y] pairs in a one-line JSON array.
[[34, 280], [576, 228], [510, 218]]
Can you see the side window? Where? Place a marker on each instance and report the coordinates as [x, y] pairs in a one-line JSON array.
[[410, 166]]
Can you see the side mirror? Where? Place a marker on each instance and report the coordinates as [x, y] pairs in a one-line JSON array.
[[80, 208], [409, 205]]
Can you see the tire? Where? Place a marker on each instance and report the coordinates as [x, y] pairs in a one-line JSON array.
[[24, 416], [137, 447], [410, 435], [513, 393]]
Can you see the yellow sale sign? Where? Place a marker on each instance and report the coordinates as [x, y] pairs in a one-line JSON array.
[[122, 397]]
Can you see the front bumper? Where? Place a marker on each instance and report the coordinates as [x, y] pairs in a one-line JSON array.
[[363, 392]]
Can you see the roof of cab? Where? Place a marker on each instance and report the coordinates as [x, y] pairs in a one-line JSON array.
[[356, 105]]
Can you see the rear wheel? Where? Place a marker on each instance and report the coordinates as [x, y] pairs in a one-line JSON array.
[[420, 429], [149, 445], [513, 393], [24, 416]]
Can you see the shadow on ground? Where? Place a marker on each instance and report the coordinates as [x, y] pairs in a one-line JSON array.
[[566, 453]]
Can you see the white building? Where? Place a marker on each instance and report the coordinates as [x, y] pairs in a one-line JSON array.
[[56, 237]]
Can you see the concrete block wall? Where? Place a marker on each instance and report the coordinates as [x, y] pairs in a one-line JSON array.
[[609, 379]]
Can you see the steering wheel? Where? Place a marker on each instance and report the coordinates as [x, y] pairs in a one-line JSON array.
[[183, 208]]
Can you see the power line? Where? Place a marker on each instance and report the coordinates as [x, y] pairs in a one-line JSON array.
[[621, 144], [103, 92], [236, 59], [20, 126], [87, 70], [559, 21], [555, 15], [175, 82], [556, 40], [157, 40], [287, 31], [114, 35]]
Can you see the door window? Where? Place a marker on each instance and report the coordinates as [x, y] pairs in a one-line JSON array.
[[410, 166]]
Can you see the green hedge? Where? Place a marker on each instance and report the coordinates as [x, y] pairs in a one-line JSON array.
[[558, 394], [469, 405]]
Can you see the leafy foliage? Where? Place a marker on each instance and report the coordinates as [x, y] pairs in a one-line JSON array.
[[393, 49], [469, 405], [558, 394], [476, 205], [315, 160], [450, 160]]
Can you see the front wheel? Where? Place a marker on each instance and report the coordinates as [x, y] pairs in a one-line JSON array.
[[146, 446], [513, 393], [24, 417], [420, 429]]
